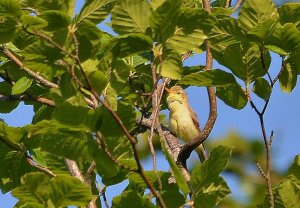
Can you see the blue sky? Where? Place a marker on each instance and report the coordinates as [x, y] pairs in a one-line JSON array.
[[282, 116]]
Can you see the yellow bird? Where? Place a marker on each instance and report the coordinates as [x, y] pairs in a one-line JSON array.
[[183, 120]]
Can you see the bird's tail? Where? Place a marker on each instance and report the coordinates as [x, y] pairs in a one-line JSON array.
[[201, 153]]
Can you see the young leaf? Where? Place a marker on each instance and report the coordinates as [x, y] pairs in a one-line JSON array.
[[130, 16], [262, 88], [215, 77], [21, 85], [208, 172], [294, 170], [234, 96]]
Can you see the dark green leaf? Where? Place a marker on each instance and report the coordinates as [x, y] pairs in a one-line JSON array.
[[289, 12], [234, 96], [56, 20], [9, 106], [23, 39], [212, 195], [21, 85], [262, 88], [256, 11], [10, 8], [67, 86], [173, 198], [163, 20], [288, 77], [215, 77], [132, 198], [208, 172], [130, 16], [8, 29]]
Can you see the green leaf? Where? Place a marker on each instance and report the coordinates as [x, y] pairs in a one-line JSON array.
[[8, 29], [163, 20], [171, 65], [262, 88], [288, 77], [128, 45], [23, 39], [234, 96], [254, 12], [263, 30], [173, 198], [67, 87], [99, 80], [10, 8], [294, 170], [246, 62], [9, 106], [289, 12], [130, 16], [46, 5], [66, 190], [56, 20], [212, 195], [208, 172], [33, 23], [289, 193], [286, 38], [21, 85], [215, 77], [132, 198], [182, 184], [94, 11], [226, 32]]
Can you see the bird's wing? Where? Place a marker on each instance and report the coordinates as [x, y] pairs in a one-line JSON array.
[[195, 119]]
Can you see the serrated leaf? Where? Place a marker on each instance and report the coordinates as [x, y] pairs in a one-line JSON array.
[[133, 198], [208, 172], [130, 16], [94, 11], [56, 20], [288, 77], [262, 88], [246, 62], [256, 11], [214, 77], [66, 190], [234, 96], [21, 85], [171, 65], [212, 195]]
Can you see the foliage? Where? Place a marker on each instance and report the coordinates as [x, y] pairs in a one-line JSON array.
[[89, 88]]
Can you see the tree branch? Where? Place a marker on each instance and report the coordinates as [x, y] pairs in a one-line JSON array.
[[36, 76], [26, 97]]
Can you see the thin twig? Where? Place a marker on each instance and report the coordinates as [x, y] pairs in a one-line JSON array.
[[102, 192], [26, 97], [39, 167], [36, 76]]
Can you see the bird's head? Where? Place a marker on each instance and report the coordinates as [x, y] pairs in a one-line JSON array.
[[176, 94]]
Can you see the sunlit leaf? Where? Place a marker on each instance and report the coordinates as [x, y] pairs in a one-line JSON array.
[[288, 77], [131, 197], [21, 85], [262, 88]]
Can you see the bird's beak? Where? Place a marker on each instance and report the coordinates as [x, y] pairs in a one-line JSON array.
[[168, 90]]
